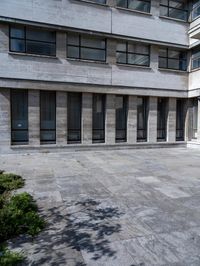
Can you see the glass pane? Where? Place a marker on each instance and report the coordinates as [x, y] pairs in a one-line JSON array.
[[138, 48], [98, 117], [178, 14], [73, 39], [164, 11], [164, 2], [173, 64], [92, 54], [40, 48], [162, 62], [73, 52], [19, 115], [88, 41], [136, 59], [173, 54], [180, 120], [141, 119], [47, 115], [40, 35], [121, 118], [74, 116], [177, 4], [139, 5], [17, 45], [122, 3], [161, 119], [17, 32], [121, 47], [121, 58], [196, 9], [163, 52], [99, 1]]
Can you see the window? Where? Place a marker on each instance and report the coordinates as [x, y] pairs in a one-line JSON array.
[[196, 58], [195, 9], [47, 116], [86, 47], [172, 59], [32, 41], [98, 1], [180, 120], [98, 126], [141, 119], [121, 118], [194, 120], [133, 54], [177, 9], [19, 116], [162, 119], [74, 117], [140, 5]]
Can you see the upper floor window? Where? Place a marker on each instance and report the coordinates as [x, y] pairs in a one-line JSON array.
[[172, 59], [177, 9], [196, 58], [195, 9], [86, 47], [140, 5], [32, 41], [133, 54], [98, 1]]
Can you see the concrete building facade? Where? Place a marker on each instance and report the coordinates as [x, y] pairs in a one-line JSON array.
[[81, 73]]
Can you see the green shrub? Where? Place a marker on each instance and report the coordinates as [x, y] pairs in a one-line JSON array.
[[10, 258], [9, 182]]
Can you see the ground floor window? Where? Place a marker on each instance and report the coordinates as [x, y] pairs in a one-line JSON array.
[[194, 117], [141, 119], [162, 119], [180, 121], [98, 118], [19, 116], [121, 118], [74, 117], [47, 116]]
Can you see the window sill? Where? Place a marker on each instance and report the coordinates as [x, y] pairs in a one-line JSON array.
[[133, 66], [133, 11], [194, 70], [174, 19], [92, 3], [173, 70], [33, 55], [87, 61]]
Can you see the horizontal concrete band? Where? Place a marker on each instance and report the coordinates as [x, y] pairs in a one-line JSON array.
[[91, 88]]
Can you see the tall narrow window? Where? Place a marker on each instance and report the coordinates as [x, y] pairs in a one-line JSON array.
[[194, 118], [196, 58], [48, 116], [121, 118], [98, 128], [74, 117], [19, 116], [180, 121], [162, 119], [195, 9], [141, 119]]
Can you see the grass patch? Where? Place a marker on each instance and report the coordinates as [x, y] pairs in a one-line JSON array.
[[18, 215]]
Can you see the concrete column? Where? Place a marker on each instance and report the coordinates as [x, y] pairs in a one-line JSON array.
[[87, 118], [61, 117], [154, 57], [4, 37], [198, 121], [155, 8], [132, 120], [171, 120], [34, 116], [5, 128], [110, 119], [111, 51], [152, 119], [61, 45]]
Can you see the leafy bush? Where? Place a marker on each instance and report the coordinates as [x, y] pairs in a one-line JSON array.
[[9, 182], [9, 258]]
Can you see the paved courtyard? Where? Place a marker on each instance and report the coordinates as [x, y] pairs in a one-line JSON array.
[[113, 208]]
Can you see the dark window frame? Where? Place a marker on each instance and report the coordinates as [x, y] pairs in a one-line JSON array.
[[51, 130], [145, 119], [125, 109], [175, 8], [80, 47], [25, 39], [127, 3], [102, 140], [181, 117], [25, 141], [162, 130], [127, 53], [175, 59]]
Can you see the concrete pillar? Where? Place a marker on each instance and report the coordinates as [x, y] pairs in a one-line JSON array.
[[87, 118], [111, 51], [61, 117], [110, 119], [34, 116], [4, 37], [154, 57], [155, 8], [198, 121], [171, 120], [132, 120], [61, 45], [152, 119], [5, 128]]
